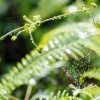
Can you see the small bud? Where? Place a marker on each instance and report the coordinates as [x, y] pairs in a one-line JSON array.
[[83, 6], [39, 48], [93, 5], [36, 18], [26, 27], [31, 29], [27, 19], [13, 38], [24, 17], [84, 10]]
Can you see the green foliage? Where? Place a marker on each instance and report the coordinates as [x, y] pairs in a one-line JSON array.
[[87, 92], [52, 8], [55, 51], [93, 73], [62, 45]]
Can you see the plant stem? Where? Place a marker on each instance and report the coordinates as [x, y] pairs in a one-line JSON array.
[[32, 39], [28, 92], [43, 21], [9, 33], [61, 16]]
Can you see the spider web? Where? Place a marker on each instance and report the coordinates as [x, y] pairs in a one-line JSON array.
[[75, 68]]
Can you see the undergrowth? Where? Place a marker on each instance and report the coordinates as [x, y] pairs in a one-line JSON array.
[[67, 47]]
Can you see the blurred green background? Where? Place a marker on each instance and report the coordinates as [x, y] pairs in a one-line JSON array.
[[11, 17]]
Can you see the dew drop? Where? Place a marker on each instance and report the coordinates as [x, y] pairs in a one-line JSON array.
[[59, 17], [65, 15], [32, 81], [46, 48], [72, 9], [52, 18], [55, 17]]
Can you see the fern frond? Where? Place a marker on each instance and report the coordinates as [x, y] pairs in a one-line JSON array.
[[93, 73], [59, 96], [63, 45], [91, 91], [96, 98]]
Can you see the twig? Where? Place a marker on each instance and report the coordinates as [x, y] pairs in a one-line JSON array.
[[9, 33], [29, 88]]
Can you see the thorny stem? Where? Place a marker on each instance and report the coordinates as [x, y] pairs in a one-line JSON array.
[[43, 21]]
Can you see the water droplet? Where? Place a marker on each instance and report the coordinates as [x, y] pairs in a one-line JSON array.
[[72, 9], [68, 51], [65, 15], [55, 17], [46, 48], [52, 18], [49, 57], [32, 81], [59, 17], [51, 44]]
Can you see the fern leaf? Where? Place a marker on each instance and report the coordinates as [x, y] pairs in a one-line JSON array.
[[96, 98], [93, 73], [91, 91], [59, 96], [62, 46]]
